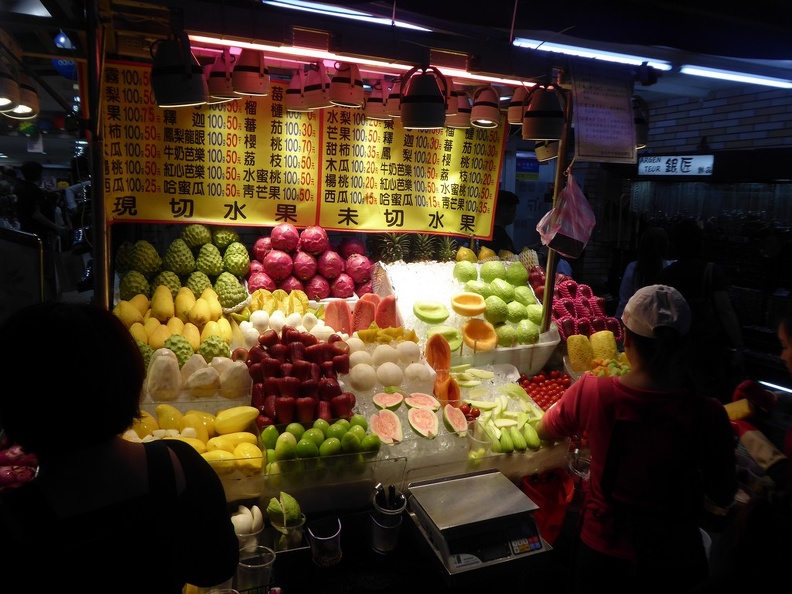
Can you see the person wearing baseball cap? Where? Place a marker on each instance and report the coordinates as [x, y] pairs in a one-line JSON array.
[[661, 456]]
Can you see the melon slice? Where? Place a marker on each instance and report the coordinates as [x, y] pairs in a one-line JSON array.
[[384, 400], [338, 315], [454, 420], [387, 426], [387, 315], [424, 422], [422, 400]]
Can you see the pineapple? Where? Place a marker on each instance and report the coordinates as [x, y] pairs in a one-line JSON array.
[[388, 247], [422, 247], [446, 248]]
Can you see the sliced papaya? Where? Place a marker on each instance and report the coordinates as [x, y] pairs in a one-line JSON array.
[[438, 352], [363, 315], [387, 315], [338, 316], [371, 297]]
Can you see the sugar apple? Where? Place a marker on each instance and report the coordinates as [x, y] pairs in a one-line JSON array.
[[212, 347], [209, 260], [222, 237], [145, 258], [230, 291], [132, 283], [197, 282], [236, 259], [123, 258], [167, 278], [196, 235], [179, 258], [146, 351], [180, 347]]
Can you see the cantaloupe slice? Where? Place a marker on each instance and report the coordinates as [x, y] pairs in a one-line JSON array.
[[479, 335]]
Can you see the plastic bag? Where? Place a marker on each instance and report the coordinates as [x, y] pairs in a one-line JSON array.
[[567, 227], [552, 491]]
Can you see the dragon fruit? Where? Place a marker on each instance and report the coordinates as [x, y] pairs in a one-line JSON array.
[[260, 280], [305, 265], [261, 247], [285, 237], [278, 264], [358, 267], [351, 245], [330, 264], [363, 288], [256, 266], [314, 240], [342, 286], [291, 283], [317, 288]]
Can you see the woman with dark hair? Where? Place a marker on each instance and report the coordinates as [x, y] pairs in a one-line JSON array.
[[660, 455], [105, 508], [653, 249]]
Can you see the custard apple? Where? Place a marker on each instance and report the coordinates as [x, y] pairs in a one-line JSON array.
[[179, 258], [167, 278], [123, 258], [132, 283], [236, 259], [145, 258], [222, 237], [209, 260], [212, 347], [146, 351], [196, 235], [197, 282], [230, 291], [180, 347]]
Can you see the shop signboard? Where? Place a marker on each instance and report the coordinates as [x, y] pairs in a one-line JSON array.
[[675, 165], [250, 162]]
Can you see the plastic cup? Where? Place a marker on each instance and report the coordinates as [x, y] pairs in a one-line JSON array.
[[247, 541], [324, 536], [479, 441], [384, 537], [288, 536], [254, 571]]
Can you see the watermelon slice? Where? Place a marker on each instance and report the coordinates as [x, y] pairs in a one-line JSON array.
[[424, 422], [387, 315], [372, 297], [383, 400], [387, 426], [422, 400], [363, 315], [455, 420], [338, 316]]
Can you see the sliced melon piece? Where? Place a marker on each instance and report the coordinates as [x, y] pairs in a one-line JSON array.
[[424, 422], [430, 311]]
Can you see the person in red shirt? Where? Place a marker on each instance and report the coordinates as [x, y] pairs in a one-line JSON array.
[[660, 456]]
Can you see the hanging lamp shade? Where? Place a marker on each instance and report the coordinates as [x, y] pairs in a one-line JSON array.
[[485, 112], [250, 75], [641, 119], [177, 77], [295, 92], [546, 150], [376, 102], [461, 119], [219, 84], [346, 88], [543, 114], [452, 98], [28, 106], [317, 87], [393, 102], [9, 88], [423, 100], [514, 113]]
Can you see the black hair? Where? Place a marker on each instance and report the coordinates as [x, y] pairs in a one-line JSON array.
[[686, 239], [653, 249], [664, 353], [31, 170], [507, 198]]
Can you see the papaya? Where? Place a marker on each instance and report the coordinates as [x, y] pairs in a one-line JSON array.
[[387, 315], [364, 314], [372, 297], [338, 316]]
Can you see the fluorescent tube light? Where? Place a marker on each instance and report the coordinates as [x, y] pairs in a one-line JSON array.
[[775, 387], [751, 79], [344, 13], [583, 52]]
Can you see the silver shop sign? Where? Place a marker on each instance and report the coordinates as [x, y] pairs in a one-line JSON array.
[[676, 165]]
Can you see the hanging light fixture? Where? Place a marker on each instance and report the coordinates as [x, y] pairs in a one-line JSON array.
[[514, 114], [177, 78], [423, 101], [28, 106], [295, 92], [543, 115], [221, 89], [376, 102], [250, 75], [346, 88], [452, 98], [317, 87], [393, 102], [461, 119], [641, 117], [9, 88], [546, 150], [485, 112]]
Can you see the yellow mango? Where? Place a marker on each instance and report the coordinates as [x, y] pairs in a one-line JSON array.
[[224, 328], [150, 325], [199, 446], [141, 302], [200, 312], [207, 418], [211, 328], [215, 309], [192, 334], [168, 416], [185, 299], [220, 442], [127, 313], [249, 459], [236, 418], [162, 306], [196, 423], [158, 337], [138, 330], [175, 325], [221, 460]]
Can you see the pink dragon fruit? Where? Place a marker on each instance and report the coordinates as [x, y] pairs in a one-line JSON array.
[[285, 237], [260, 280], [330, 264], [317, 288], [261, 247], [358, 267], [278, 264], [363, 288], [291, 283], [351, 245], [256, 266], [314, 240], [342, 286], [305, 265]]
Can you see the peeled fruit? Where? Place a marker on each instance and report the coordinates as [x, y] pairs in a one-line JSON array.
[[168, 416], [233, 419], [362, 377], [195, 442], [389, 374], [221, 460], [249, 459], [430, 311]]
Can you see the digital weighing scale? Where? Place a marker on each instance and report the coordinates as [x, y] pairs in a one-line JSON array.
[[475, 520]]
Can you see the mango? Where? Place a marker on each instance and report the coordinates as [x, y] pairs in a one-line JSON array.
[[238, 437], [221, 460], [236, 418], [175, 325], [141, 302], [162, 306], [192, 334], [151, 324], [185, 299], [200, 313], [159, 335], [196, 443], [138, 330], [211, 328], [224, 328], [249, 459], [127, 313], [168, 416]]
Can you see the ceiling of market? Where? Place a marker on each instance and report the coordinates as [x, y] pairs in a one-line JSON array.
[[755, 38]]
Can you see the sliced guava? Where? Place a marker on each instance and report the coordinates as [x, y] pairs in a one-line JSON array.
[[424, 422], [454, 420], [422, 400]]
